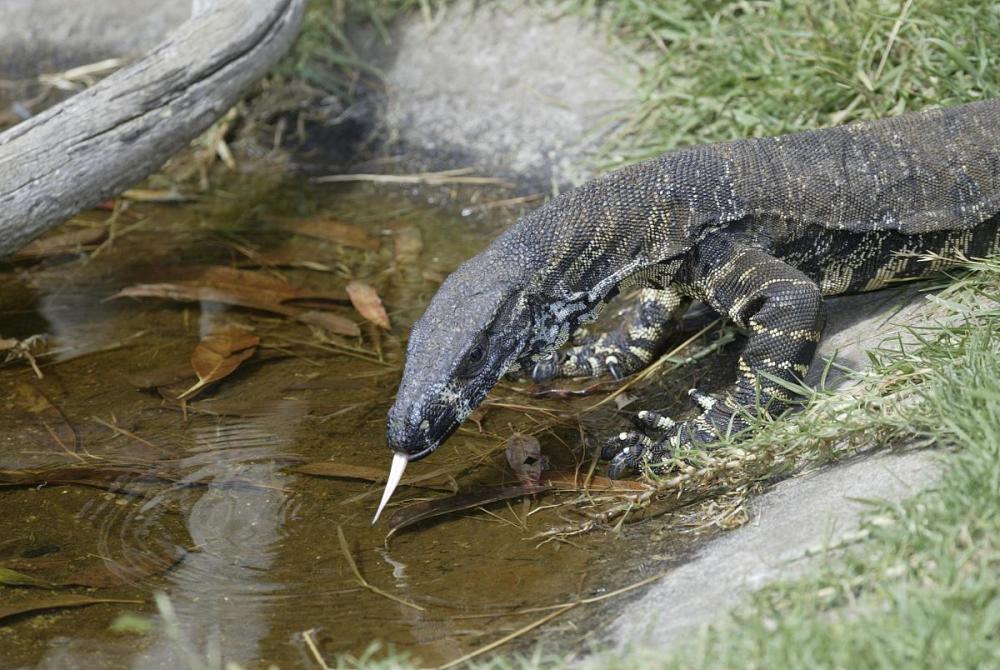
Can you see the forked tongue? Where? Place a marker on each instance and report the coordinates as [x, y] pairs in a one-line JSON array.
[[399, 462]]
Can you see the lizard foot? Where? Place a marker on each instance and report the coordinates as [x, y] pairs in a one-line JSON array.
[[633, 450], [591, 359]]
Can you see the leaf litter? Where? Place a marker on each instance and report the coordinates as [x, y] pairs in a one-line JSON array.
[[218, 355]]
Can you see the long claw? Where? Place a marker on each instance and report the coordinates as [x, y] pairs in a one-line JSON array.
[[614, 367]]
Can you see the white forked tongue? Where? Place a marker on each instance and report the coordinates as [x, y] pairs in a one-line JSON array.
[[399, 462]]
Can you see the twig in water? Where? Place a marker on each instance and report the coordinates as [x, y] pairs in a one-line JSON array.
[[313, 649], [364, 582], [459, 176]]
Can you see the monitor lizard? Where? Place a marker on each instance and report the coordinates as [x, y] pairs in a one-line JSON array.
[[759, 229]]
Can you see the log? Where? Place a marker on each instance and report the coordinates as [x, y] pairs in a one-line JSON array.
[[111, 136]]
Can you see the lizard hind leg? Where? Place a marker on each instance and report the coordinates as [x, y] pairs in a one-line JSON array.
[[633, 345]]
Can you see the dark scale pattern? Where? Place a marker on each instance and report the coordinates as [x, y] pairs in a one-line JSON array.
[[760, 229]]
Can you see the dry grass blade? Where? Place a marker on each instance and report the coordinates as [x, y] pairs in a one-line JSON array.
[[507, 638], [64, 243], [432, 480], [364, 582]]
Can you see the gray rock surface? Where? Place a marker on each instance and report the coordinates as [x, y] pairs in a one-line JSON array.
[[39, 36], [798, 515], [510, 87]]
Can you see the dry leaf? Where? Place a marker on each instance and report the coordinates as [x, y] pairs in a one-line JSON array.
[[7, 344], [219, 354], [524, 453], [331, 230], [10, 577], [233, 287], [51, 428], [56, 602], [429, 509], [408, 242], [365, 299], [64, 243], [330, 322]]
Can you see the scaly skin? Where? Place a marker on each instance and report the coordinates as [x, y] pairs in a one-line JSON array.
[[758, 229]]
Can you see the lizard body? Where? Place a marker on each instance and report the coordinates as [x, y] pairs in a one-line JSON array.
[[759, 229]]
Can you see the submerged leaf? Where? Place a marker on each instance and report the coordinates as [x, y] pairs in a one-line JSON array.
[[524, 453], [62, 244], [218, 355], [421, 511], [334, 323], [408, 242], [242, 288], [37, 605], [365, 299], [10, 577], [51, 427], [330, 230]]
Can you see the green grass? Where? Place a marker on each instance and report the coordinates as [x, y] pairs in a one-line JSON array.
[[718, 70]]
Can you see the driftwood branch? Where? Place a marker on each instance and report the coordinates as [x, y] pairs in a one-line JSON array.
[[114, 134]]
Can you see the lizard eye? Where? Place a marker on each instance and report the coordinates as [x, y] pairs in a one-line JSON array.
[[474, 360]]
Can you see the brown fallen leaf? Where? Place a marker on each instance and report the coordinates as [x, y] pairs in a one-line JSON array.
[[254, 290], [408, 242], [51, 428], [429, 509], [37, 605], [6, 344], [242, 288], [365, 299], [218, 355], [430, 480], [333, 323], [524, 453], [64, 243], [330, 230]]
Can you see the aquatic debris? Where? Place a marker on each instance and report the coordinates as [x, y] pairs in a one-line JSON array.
[[110, 477], [57, 602], [334, 323], [524, 453], [429, 509], [51, 429], [331, 230], [62, 244], [254, 290], [408, 242], [361, 579], [365, 299], [218, 355], [559, 480], [431, 480], [399, 462], [10, 577]]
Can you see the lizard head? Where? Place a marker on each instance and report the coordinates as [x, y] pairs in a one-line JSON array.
[[473, 331]]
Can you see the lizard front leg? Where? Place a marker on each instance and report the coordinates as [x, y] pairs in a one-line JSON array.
[[781, 310], [639, 339]]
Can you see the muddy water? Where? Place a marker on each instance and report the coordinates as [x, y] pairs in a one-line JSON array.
[[199, 501]]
